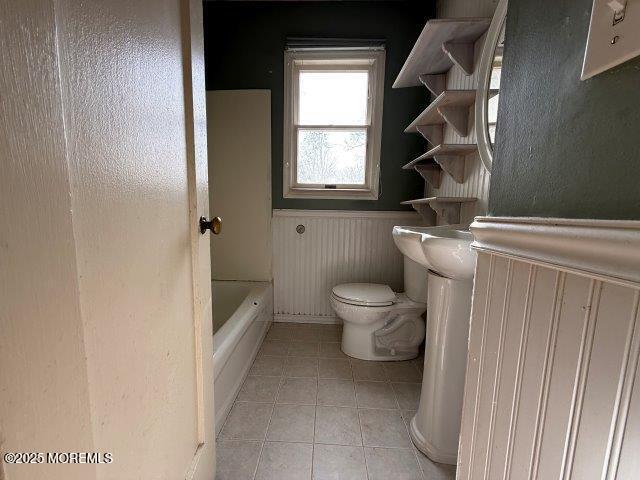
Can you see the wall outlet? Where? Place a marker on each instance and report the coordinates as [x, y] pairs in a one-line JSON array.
[[614, 35]]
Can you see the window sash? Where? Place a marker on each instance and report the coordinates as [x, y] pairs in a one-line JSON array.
[[334, 186], [329, 67]]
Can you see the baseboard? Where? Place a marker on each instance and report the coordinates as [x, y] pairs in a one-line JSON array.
[[322, 319]]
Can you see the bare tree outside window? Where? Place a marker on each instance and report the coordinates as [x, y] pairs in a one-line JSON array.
[[332, 157]]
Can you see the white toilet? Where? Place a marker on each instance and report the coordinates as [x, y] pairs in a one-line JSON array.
[[379, 324]]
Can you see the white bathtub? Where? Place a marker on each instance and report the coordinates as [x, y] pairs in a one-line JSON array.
[[242, 314]]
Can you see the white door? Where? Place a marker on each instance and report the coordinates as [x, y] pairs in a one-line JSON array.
[[203, 465], [105, 300]]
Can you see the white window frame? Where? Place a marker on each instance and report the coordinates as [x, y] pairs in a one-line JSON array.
[[370, 59]]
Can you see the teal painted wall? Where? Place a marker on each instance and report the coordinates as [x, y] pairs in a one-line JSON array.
[[565, 148], [244, 48]]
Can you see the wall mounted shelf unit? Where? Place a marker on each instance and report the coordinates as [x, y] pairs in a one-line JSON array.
[[451, 107], [447, 207], [442, 42]]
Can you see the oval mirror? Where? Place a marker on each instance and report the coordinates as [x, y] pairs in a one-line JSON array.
[[488, 93]]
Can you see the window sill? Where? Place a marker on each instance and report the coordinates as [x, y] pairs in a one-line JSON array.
[[332, 194]]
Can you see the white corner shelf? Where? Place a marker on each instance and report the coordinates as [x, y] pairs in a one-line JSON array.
[[442, 42], [452, 107], [448, 156], [452, 149], [447, 207]]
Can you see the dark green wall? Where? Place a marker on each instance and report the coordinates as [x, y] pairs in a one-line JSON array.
[[565, 147], [244, 48]]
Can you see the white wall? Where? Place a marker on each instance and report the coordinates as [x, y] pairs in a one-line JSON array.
[[44, 391], [336, 247], [552, 386], [97, 345], [239, 142]]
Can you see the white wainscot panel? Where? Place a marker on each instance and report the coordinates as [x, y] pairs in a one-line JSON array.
[[551, 388], [336, 247]]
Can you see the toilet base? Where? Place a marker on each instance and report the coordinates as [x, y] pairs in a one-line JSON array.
[[358, 342], [386, 333]]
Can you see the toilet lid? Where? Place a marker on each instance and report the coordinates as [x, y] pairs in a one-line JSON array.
[[369, 294]]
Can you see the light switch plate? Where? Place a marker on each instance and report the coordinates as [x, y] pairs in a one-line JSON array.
[[611, 42]]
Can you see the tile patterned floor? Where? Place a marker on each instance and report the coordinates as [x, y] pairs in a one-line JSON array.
[[307, 411]]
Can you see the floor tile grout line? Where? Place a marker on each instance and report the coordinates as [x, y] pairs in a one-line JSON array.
[[266, 431], [233, 404], [364, 455], [315, 417], [413, 447], [298, 442], [395, 396]]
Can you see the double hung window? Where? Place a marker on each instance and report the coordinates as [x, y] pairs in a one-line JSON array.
[[333, 121]]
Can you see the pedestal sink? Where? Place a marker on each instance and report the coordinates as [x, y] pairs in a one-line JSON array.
[[446, 253]]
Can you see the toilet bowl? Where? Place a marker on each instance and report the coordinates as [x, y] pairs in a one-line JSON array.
[[379, 324]]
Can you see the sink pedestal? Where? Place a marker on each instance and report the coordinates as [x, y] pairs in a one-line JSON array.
[[435, 429]]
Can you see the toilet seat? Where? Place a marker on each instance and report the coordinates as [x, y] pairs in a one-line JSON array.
[[365, 294]]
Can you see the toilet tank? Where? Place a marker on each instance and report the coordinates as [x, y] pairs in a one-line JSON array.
[[415, 281]]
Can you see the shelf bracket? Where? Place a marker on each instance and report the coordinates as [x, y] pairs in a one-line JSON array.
[[435, 83], [431, 173], [453, 165], [449, 212], [433, 133], [427, 213], [457, 117], [461, 54]]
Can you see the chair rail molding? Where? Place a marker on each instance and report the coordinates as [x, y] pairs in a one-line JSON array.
[[604, 249], [552, 388]]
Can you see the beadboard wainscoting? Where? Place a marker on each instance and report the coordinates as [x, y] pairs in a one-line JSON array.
[[552, 387], [335, 247]]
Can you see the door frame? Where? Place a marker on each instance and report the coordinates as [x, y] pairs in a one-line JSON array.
[[203, 463]]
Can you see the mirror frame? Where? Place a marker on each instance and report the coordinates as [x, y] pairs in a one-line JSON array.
[[484, 77]]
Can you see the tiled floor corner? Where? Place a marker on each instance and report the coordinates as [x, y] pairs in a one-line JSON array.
[[308, 411]]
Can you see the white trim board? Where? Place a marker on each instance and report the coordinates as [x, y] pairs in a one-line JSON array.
[[410, 215], [318, 319], [604, 249]]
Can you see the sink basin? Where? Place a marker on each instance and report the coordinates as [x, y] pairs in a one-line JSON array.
[[445, 250], [409, 242], [448, 252]]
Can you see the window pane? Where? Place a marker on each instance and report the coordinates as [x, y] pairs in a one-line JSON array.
[[332, 156], [333, 98]]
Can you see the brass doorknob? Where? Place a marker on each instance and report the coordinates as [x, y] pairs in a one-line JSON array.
[[215, 225]]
